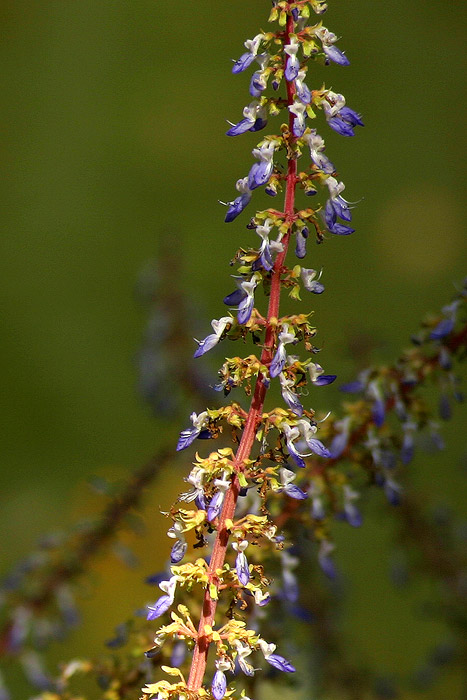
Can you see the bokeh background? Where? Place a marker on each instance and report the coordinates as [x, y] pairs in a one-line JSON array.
[[113, 138]]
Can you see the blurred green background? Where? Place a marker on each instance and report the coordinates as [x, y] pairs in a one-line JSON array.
[[113, 136]]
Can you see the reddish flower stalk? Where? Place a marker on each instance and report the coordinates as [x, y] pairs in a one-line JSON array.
[[203, 642]]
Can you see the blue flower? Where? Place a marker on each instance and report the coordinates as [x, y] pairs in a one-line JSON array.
[[217, 500], [303, 432], [219, 327], [303, 92], [316, 145], [317, 376], [289, 396], [443, 329], [292, 490], [309, 282], [279, 359], [325, 560], [187, 436], [246, 59], [254, 119], [298, 109], [293, 65], [336, 206], [300, 242], [241, 562], [178, 551], [267, 248], [341, 118], [332, 53], [258, 83], [219, 685], [351, 512], [392, 491], [261, 172], [275, 659], [238, 205], [246, 305], [165, 601]]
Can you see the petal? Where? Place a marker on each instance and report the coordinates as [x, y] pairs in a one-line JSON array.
[[244, 310], [242, 568], [280, 663], [351, 116], [242, 63], [237, 206], [219, 685], [241, 128], [443, 329], [278, 362], [295, 492], [341, 229], [235, 297], [336, 55], [187, 437], [318, 448], [160, 607], [178, 551], [325, 379], [341, 127]]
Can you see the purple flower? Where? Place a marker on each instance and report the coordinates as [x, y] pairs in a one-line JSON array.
[[280, 663], [317, 147], [336, 55], [241, 562], [215, 505], [443, 329], [345, 121], [378, 412], [393, 492], [246, 59], [238, 205], [351, 512], [298, 109], [325, 560], [309, 282], [178, 654], [341, 118], [275, 659], [352, 387], [292, 490], [178, 551], [219, 327], [261, 171], [293, 65], [279, 359], [325, 379], [217, 500], [242, 63], [300, 242], [165, 601], [246, 305], [254, 119], [289, 396], [331, 52], [187, 436], [303, 92], [219, 685], [267, 248]]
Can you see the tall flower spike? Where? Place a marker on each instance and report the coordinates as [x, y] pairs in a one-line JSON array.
[[218, 481]]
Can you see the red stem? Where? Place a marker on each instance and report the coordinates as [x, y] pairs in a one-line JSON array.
[[200, 654]]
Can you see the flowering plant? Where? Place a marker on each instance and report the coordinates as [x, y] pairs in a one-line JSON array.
[[232, 490], [279, 475]]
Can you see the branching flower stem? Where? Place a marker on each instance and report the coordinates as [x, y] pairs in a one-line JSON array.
[[203, 641]]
